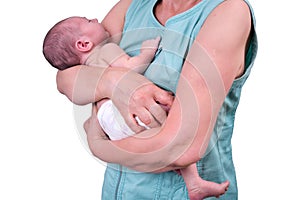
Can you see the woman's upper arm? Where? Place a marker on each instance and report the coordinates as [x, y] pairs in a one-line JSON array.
[[224, 36], [214, 61], [113, 22]]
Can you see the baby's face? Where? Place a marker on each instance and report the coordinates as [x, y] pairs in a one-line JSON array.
[[92, 29]]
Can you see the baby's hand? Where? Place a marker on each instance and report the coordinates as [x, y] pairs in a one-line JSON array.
[[150, 46]]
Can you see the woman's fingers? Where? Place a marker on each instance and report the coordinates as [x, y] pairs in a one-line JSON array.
[[158, 113], [92, 126], [147, 117], [164, 98], [150, 103], [141, 98], [133, 124]]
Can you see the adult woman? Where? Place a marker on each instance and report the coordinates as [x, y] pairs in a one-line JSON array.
[[215, 41]]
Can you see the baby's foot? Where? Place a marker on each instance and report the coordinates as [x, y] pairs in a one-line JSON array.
[[202, 189]]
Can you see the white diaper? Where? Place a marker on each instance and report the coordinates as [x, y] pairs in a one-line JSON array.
[[112, 122]]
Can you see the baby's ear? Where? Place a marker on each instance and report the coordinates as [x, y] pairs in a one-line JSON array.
[[84, 45]]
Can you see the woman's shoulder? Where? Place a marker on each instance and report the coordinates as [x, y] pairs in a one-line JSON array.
[[235, 7], [233, 12]]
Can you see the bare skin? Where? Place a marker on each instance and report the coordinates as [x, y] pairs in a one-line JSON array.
[[224, 35], [235, 32], [198, 188]]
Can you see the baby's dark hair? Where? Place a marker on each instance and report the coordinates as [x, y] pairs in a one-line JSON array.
[[59, 46]]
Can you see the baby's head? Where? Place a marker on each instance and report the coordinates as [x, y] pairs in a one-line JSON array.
[[69, 41]]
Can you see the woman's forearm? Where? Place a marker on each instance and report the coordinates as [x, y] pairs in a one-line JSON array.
[[85, 84], [213, 62], [184, 132], [206, 78], [79, 83], [181, 140]]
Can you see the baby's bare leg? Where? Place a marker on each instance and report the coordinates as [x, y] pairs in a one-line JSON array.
[[198, 188]]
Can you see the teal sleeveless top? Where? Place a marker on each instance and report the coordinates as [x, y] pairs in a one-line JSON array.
[[177, 37]]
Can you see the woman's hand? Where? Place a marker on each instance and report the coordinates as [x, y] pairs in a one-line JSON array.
[[93, 128], [134, 95]]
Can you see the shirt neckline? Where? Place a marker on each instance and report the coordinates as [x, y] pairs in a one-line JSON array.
[[177, 17]]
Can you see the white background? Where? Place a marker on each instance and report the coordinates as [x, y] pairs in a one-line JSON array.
[[42, 156]]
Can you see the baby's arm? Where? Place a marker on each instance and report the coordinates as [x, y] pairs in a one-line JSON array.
[[116, 57]]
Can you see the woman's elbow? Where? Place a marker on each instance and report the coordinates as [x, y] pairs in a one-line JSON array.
[[64, 85], [65, 81]]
